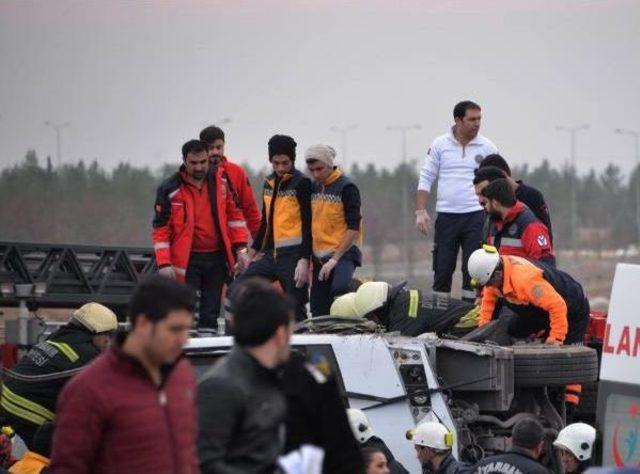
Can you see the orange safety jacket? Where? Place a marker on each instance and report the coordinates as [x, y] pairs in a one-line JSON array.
[[524, 284], [173, 222]]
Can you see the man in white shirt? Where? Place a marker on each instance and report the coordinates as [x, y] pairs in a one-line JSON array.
[[452, 159]]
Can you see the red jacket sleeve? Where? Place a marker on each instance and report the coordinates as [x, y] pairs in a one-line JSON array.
[[80, 420], [236, 224], [248, 202], [536, 241], [161, 234]]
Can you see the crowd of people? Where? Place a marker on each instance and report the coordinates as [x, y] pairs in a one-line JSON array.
[[136, 406]]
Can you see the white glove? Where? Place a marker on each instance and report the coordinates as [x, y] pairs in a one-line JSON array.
[[301, 273], [326, 269], [423, 221], [167, 271]]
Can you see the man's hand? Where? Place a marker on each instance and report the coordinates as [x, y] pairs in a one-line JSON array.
[[423, 221], [167, 271], [243, 259], [326, 269], [555, 342], [301, 273]]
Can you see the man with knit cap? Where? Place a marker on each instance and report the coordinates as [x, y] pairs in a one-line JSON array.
[[335, 229], [282, 247], [29, 403]]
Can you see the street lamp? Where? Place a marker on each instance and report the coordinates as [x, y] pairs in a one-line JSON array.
[[344, 132], [636, 146], [404, 129], [572, 131], [57, 127]]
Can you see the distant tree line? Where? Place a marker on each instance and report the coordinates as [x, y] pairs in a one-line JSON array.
[[83, 203]]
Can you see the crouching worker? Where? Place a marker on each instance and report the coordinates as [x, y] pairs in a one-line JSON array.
[[545, 300], [31, 390], [398, 308]]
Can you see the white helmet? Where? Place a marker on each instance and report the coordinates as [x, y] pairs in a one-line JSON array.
[[96, 318], [359, 425], [578, 439], [371, 296], [482, 263], [432, 435], [344, 306]]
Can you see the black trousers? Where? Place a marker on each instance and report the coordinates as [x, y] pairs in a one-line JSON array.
[[530, 320], [207, 274], [282, 269], [452, 232], [339, 282]]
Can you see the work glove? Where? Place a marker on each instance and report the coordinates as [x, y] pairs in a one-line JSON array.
[[327, 268], [301, 273], [423, 221], [167, 271]]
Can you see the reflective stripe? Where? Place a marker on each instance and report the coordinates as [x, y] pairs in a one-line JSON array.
[[22, 403], [173, 193], [469, 294], [21, 413], [289, 242], [180, 270], [324, 253], [161, 245], [511, 242], [237, 223], [570, 398], [414, 299], [66, 349]]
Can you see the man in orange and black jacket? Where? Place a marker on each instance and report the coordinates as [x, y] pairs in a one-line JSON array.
[[197, 229], [284, 237], [544, 299]]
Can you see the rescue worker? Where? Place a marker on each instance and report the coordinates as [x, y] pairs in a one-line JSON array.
[[543, 299], [335, 229], [363, 432], [529, 195], [284, 237], [527, 439], [398, 308], [235, 176], [197, 229], [575, 443], [433, 443], [30, 391], [514, 229], [38, 459], [451, 160]]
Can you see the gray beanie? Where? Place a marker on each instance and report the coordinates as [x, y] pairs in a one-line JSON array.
[[323, 153]]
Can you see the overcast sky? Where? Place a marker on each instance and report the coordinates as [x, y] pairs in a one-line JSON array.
[[137, 79]]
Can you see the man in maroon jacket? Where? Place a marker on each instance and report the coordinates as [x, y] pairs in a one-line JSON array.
[[133, 408], [237, 178]]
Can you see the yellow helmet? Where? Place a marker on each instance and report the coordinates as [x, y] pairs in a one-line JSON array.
[[344, 306], [371, 296], [96, 318]]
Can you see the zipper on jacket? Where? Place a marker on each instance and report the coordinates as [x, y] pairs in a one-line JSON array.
[[163, 402]]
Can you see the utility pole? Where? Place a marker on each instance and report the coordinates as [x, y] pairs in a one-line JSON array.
[[572, 131], [404, 129], [636, 147], [58, 128], [344, 132]]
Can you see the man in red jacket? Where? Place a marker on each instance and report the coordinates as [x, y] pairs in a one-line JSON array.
[[197, 229], [133, 408], [238, 181], [513, 227]]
